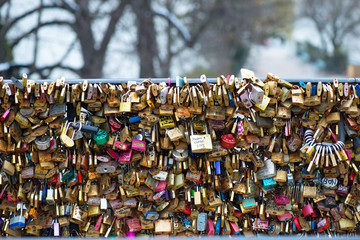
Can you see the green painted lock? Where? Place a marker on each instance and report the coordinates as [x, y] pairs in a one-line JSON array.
[[69, 173], [101, 137]]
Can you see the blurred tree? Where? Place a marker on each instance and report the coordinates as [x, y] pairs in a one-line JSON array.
[[242, 24], [85, 15], [5, 48], [165, 28], [334, 21]]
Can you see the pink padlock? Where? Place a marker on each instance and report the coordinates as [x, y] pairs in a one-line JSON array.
[[125, 157], [287, 130], [307, 210], [210, 228], [234, 228], [281, 199], [98, 223], [138, 145], [286, 217], [130, 234], [347, 154], [122, 146], [158, 195], [4, 116], [161, 186]]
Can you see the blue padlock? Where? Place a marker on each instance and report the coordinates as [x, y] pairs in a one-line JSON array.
[[269, 183], [231, 100], [44, 193], [218, 225], [294, 227], [224, 196], [29, 158], [314, 90], [179, 81], [313, 225], [134, 119], [218, 167], [192, 154], [357, 88], [152, 215], [18, 222], [238, 198]]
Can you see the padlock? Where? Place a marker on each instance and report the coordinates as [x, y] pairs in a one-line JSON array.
[[200, 143], [125, 106], [101, 137], [50, 196], [17, 222], [307, 210], [163, 226]]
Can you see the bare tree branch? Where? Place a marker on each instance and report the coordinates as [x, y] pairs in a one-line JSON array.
[[2, 2], [115, 16], [13, 21], [70, 6], [34, 29], [36, 48]]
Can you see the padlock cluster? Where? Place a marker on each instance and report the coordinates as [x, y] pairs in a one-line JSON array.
[[241, 156]]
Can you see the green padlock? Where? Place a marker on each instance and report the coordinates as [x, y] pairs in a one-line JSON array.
[[101, 137]]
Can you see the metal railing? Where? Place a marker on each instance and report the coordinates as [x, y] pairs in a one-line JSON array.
[[190, 80]]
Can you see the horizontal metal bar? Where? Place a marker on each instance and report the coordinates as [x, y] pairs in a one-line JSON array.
[[190, 80]]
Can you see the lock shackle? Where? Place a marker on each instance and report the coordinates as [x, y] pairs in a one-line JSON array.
[[85, 128], [206, 129], [127, 94], [191, 127]]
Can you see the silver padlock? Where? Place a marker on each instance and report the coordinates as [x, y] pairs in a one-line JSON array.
[[290, 179], [256, 95], [50, 196], [268, 171], [201, 222], [180, 155], [18, 222], [103, 204]]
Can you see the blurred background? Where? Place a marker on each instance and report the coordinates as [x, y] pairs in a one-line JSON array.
[[165, 38]]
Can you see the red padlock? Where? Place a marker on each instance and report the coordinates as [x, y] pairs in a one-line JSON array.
[[297, 223], [133, 224], [238, 214], [187, 210], [23, 147], [228, 141], [53, 179], [322, 225]]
